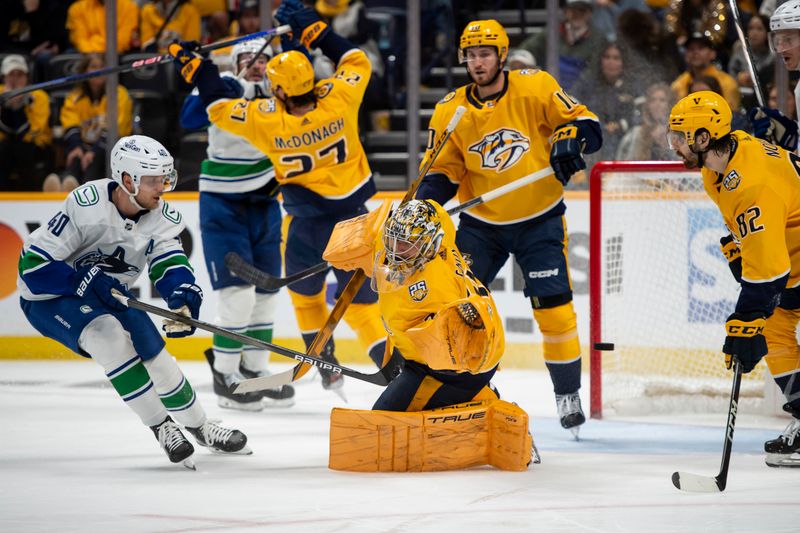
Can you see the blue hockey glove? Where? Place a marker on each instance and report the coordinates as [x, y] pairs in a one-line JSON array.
[[186, 59], [566, 156], [289, 43], [185, 300], [733, 254], [773, 126], [91, 280], [745, 340], [307, 26]]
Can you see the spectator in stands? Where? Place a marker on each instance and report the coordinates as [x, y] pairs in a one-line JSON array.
[[606, 13], [83, 120], [37, 28], [652, 53], [606, 89], [25, 138], [578, 45], [708, 83], [689, 17], [519, 59], [763, 58], [647, 141], [86, 22], [699, 57], [164, 21], [247, 21]]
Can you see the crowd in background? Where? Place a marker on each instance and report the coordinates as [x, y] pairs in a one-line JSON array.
[[627, 60]]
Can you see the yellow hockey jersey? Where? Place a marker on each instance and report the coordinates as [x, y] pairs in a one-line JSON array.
[[37, 110], [442, 280], [319, 161], [80, 113], [185, 24], [499, 141], [758, 196], [86, 22]]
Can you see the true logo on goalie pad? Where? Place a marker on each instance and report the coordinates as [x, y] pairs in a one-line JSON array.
[[418, 291], [731, 180], [501, 149]]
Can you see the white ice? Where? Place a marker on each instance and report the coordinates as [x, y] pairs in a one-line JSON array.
[[74, 458]]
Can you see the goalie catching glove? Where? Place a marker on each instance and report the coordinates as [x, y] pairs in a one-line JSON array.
[[566, 152], [185, 300], [745, 340]]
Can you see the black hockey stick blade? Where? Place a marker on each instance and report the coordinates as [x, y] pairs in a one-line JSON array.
[[261, 279], [694, 483]]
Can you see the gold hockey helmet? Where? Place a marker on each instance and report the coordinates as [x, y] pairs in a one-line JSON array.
[[484, 33], [291, 71], [701, 110]]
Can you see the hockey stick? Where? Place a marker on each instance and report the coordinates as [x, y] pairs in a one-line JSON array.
[[263, 280], [748, 53], [379, 378], [695, 483], [139, 63], [350, 290]]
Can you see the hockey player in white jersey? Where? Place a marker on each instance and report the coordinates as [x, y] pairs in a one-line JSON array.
[[107, 232], [239, 213]]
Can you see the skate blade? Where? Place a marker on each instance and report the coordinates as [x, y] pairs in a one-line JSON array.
[[780, 460], [189, 463], [244, 451], [227, 403], [575, 431], [271, 403]]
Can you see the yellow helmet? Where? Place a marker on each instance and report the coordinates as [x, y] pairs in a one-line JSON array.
[[484, 33], [291, 71], [331, 8], [701, 110]]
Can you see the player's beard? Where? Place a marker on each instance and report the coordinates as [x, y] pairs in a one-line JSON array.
[[487, 80], [692, 161]]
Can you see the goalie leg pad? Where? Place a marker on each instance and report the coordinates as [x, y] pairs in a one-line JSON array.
[[449, 438]]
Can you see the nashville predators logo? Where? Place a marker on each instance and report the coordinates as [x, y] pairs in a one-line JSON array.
[[418, 291], [501, 149]]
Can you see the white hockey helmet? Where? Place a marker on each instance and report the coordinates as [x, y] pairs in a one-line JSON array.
[[786, 17], [249, 47], [139, 155]]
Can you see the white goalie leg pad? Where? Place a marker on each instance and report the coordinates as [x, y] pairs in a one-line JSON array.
[[234, 308], [174, 390], [262, 320], [107, 342]]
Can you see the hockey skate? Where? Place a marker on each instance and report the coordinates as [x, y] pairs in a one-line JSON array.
[[785, 450], [224, 384], [174, 443], [570, 412], [220, 439], [330, 380], [282, 396]]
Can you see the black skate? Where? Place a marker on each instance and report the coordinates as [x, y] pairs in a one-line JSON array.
[[224, 384], [570, 412], [282, 396], [785, 450], [220, 439], [174, 443]]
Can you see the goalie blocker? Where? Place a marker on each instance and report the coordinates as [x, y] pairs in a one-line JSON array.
[[466, 435]]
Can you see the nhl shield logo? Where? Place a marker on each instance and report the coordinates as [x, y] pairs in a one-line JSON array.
[[501, 149], [418, 291], [731, 180]]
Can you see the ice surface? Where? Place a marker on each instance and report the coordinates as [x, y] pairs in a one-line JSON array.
[[74, 458]]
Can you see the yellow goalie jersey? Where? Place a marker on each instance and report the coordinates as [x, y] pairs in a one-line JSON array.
[[319, 161], [759, 198], [499, 141], [442, 281]]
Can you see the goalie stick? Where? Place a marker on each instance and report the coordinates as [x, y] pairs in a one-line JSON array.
[[349, 292], [263, 280], [378, 378], [695, 483], [139, 63]]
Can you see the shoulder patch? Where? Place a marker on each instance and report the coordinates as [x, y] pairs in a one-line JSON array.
[[528, 71], [418, 290], [731, 180], [449, 96], [323, 89], [267, 106], [86, 195], [171, 214]]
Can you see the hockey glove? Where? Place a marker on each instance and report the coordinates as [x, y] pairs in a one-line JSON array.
[[773, 126], [185, 300], [306, 24], [745, 340], [733, 254], [566, 155], [187, 61], [92, 280]]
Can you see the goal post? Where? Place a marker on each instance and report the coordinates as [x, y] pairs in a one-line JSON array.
[[659, 292]]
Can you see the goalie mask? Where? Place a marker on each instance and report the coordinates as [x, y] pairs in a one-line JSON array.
[[140, 156], [411, 237]]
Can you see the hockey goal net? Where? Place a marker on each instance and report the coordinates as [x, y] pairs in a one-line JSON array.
[[660, 291]]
